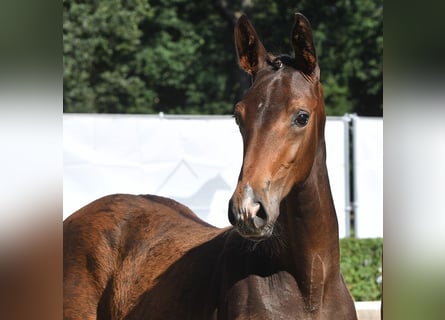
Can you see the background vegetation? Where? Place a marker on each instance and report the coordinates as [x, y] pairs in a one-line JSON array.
[[361, 266], [178, 56]]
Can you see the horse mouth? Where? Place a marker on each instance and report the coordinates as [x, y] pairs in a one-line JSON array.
[[249, 232]]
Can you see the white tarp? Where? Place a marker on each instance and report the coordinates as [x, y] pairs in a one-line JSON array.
[[368, 177], [194, 160], [336, 133]]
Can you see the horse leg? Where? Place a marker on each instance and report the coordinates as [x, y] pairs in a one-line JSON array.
[[88, 265], [80, 296]]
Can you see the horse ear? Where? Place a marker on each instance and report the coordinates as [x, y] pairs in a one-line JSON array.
[[251, 52], [303, 45]]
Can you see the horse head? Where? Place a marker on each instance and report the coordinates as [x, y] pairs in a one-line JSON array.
[[281, 119]]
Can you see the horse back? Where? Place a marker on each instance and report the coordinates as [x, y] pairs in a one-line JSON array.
[[117, 248]]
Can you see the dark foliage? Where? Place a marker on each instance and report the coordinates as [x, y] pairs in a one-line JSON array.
[[361, 266], [177, 56]]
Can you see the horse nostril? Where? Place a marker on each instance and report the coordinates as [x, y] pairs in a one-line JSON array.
[[250, 214], [260, 219], [261, 212]]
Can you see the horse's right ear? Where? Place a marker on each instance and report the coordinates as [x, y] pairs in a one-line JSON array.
[[303, 45], [251, 52]]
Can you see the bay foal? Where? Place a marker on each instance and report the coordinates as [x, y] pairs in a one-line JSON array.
[[148, 257]]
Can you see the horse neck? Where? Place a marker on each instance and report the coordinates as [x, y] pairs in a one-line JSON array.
[[309, 223]]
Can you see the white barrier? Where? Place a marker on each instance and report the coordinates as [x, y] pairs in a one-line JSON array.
[[192, 159], [368, 176], [368, 310]]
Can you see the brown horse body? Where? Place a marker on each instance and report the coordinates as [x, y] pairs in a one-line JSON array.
[[148, 257]]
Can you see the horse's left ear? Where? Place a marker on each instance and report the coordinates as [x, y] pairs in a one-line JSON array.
[[304, 48]]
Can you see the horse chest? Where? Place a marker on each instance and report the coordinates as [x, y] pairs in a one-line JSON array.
[[276, 296]]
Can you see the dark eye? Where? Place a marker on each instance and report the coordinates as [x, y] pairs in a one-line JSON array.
[[301, 119], [277, 63]]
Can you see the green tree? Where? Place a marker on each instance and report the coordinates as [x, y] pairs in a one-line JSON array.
[[361, 266], [178, 56], [349, 36], [184, 58], [100, 40]]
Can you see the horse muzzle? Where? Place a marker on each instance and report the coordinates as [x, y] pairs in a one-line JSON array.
[[250, 216]]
